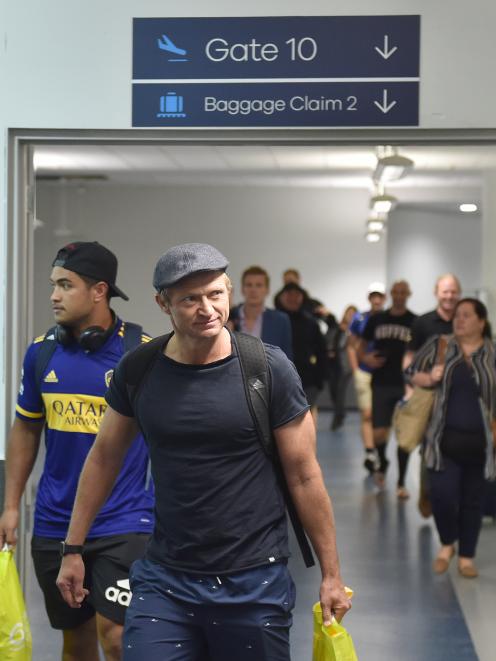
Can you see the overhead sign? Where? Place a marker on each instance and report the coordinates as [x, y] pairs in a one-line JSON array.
[[276, 71]]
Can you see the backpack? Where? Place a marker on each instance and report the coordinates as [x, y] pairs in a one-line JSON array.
[[132, 339], [256, 380]]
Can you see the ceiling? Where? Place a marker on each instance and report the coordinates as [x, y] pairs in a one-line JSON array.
[[443, 176]]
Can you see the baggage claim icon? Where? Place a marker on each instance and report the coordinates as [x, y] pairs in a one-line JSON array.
[[171, 104]]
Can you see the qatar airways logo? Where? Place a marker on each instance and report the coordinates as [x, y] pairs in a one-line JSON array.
[[74, 413]]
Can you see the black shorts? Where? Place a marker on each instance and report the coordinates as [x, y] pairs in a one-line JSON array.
[[384, 399], [107, 561]]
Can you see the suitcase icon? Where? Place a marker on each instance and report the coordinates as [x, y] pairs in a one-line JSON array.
[[171, 105]]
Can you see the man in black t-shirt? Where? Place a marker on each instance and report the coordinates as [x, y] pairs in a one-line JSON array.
[[436, 322], [214, 582], [440, 320], [390, 332]]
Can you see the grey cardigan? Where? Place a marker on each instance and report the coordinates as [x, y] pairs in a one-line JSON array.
[[483, 363]]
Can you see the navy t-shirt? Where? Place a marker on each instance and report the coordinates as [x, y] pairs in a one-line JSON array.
[[217, 503], [391, 336]]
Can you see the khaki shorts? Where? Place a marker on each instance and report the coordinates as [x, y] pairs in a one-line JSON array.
[[363, 389]]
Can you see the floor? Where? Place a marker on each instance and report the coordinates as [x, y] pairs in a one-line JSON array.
[[401, 611]]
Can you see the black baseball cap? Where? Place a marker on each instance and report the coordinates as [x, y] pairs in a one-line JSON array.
[[181, 261], [91, 259], [294, 286]]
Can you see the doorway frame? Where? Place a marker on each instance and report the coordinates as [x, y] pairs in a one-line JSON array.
[[21, 205]]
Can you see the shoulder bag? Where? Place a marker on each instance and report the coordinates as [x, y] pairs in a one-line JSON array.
[[412, 415]]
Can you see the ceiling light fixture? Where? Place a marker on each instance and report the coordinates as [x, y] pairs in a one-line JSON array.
[[392, 168], [468, 208], [383, 203], [372, 237], [375, 224]]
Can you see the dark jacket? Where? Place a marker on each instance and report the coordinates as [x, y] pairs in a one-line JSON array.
[[309, 349], [276, 328]]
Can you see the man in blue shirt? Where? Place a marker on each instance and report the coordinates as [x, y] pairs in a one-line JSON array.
[[252, 317], [67, 398], [214, 582], [362, 373]]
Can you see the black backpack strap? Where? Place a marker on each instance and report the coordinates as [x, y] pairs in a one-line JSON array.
[[132, 335], [138, 362], [256, 380], [45, 352]]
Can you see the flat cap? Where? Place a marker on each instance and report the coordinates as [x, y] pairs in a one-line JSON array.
[[181, 261]]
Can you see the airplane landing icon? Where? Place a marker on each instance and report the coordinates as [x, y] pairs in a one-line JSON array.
[[166, 44]]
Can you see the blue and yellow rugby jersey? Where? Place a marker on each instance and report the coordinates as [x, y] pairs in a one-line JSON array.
[[72, 404]]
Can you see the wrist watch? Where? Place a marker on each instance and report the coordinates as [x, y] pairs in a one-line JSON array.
[[66, 549]]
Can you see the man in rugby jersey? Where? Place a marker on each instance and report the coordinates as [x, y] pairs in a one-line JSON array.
[[66, 396]]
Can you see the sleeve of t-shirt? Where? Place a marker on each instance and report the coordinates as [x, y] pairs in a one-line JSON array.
[[418, 336], [288, 399], [117, 396], [29, 402], [355, 324]]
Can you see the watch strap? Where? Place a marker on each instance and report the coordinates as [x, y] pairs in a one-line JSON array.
[[66, 549]]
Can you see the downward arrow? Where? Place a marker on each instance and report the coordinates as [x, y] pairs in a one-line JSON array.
[[384, 107], [386, 53]]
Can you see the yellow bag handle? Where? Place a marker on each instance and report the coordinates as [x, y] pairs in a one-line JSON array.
[[332, 642]]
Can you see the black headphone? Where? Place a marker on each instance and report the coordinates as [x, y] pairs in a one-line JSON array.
[[91, 339]]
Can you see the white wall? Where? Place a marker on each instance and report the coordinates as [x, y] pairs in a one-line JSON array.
[[421, 245], [311, 229], [68, 64]]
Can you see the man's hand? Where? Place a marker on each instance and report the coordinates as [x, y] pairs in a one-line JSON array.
[[374, 360], [70, 580], [8, 527], [333, 600]]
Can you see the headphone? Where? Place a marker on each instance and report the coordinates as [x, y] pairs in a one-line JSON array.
[[91, 339]]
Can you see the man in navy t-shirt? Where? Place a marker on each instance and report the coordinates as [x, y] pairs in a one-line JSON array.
[[390, 331], [67, 398], [214, 582]]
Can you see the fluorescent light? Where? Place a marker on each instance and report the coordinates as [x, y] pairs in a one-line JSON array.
[[375, 225], [468, 208], [373, 237], [383, 203], [392, 168]]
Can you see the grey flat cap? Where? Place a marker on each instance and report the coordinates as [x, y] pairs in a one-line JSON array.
[[186, 259]]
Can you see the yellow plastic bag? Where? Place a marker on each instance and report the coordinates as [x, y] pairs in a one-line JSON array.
[[332, 643], [15, 634]]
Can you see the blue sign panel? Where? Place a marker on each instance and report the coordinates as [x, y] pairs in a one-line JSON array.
[[284, 104], [276, 71]]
